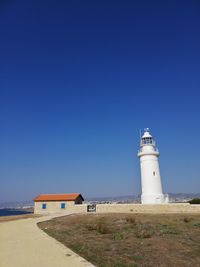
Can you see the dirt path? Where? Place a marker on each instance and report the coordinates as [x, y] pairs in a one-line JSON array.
[[23, 244]]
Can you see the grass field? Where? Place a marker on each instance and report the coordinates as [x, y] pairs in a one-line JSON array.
[[120, 240]]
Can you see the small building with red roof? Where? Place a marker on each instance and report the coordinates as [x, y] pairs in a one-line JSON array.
[[56, 203]]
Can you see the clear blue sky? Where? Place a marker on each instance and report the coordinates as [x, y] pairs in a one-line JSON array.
[[78, 79]]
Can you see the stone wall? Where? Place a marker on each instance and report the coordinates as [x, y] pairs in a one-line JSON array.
[[54, 208], [139, 208]]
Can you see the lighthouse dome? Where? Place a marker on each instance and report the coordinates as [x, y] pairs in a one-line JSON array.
[[147, 134]]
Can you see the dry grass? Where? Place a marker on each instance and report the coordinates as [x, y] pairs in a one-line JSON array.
[[127, 240]]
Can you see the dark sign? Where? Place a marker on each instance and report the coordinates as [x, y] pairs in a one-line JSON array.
[[91, 208]]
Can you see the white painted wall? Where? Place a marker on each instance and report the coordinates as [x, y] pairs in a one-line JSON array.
[[53, 207]]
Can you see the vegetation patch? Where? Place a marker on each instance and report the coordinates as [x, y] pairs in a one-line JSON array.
[[130, 240], [195, 201]]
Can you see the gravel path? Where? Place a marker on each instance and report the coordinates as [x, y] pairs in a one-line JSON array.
[[23, 244]]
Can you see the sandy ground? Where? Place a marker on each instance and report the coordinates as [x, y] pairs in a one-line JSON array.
[[17, 217], [23, 244]]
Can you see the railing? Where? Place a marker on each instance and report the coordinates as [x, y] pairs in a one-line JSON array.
[[147, 142]]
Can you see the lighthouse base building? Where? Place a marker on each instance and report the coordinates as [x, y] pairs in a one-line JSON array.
[[150, 172], [56, 203]]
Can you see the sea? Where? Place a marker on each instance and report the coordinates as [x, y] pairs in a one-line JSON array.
[[12, 212]]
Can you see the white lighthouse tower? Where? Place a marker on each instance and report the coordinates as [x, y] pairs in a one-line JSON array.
[[150, 171]]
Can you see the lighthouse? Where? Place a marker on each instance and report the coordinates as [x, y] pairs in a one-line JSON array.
[[150, 172]]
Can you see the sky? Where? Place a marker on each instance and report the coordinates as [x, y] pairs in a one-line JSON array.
[[79, 79]]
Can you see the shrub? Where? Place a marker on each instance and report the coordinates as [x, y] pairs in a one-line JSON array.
[[196, 224], [102, 228], [130, 220], [195, 201], [144, 231], [90, 227], [119, 236], [186, 219]]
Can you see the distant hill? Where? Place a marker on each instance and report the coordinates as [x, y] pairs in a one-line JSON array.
[[174, 197], [128, 198], [16, 205], [185, 195]]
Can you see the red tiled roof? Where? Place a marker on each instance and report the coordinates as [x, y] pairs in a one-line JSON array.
[[57, 197]]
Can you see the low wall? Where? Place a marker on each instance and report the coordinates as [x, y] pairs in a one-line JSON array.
[[123, 208], [140, 208]]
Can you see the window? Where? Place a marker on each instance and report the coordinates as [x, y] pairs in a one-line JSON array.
[[44, 206], [62, 205], [147, 140]]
